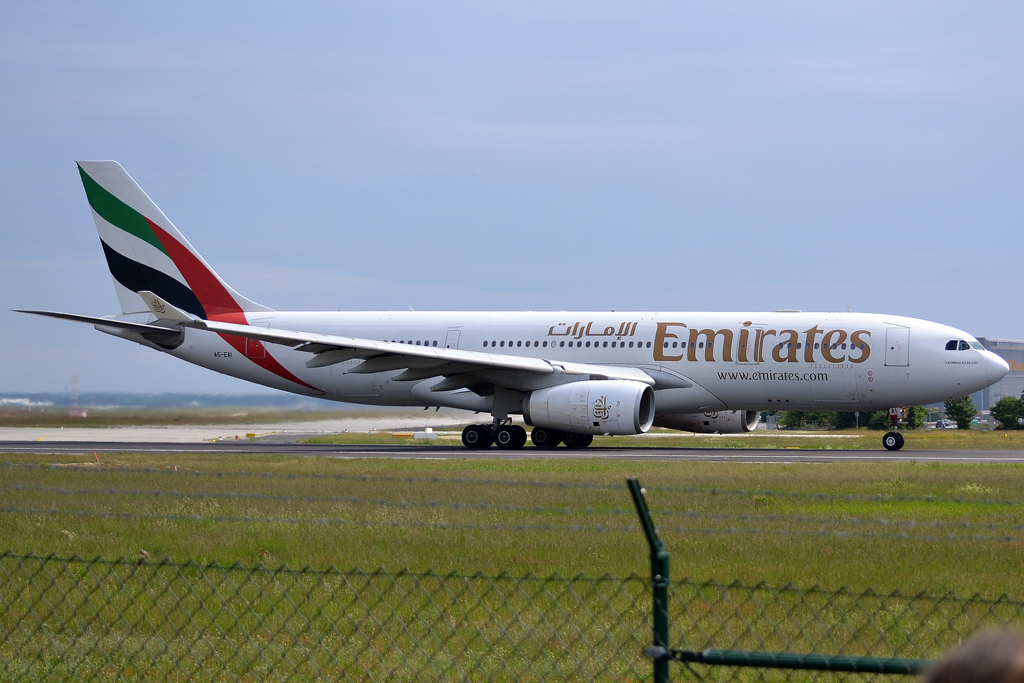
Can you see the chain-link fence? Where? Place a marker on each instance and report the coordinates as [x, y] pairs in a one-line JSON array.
[[77, 619]]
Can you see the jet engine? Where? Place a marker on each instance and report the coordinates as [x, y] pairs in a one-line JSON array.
[[718, 422], [592, 407]]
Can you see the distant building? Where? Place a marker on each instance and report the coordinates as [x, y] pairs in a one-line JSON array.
[[1011, 385]]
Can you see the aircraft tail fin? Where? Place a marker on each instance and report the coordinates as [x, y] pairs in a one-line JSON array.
[[146, 253]]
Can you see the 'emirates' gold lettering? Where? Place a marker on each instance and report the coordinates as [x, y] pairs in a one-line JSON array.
[[830, 342], [860, 345], [660, 338]]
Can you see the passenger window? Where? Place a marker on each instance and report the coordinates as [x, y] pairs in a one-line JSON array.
[[815, 344], [503, 344], [700, 346], [798, 345], [562, 344], [964, 345], [648, 344], [673, 345], [545, 344], [605, 345], [485, 345], [951, 345], [630, 344], [843, 347], [435, 343]]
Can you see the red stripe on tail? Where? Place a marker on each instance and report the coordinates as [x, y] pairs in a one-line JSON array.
[[218, 302]]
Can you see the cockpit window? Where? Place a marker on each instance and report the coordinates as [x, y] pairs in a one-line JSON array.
[[964, 345], [977, 345], [951, 345]]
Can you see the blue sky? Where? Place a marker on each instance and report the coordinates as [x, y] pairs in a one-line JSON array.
[[661, 156]]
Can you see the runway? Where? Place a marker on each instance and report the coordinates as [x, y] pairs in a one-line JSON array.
[[446, 452]]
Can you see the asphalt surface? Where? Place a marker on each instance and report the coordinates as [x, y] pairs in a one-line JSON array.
[[436, 452]]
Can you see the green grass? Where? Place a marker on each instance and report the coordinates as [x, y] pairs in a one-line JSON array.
[[218, 620], [963, 566], [130, 417]]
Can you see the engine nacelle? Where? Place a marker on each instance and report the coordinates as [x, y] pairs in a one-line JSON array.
[[718, 422], [592, 407]]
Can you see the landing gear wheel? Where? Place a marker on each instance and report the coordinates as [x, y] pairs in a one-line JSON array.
[[892, 441], [510, 437], [578, 440], [476, 437], [545, 438]]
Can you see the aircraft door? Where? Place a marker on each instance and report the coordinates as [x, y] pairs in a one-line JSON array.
[[254, 349], [452, 340], [897, 346]]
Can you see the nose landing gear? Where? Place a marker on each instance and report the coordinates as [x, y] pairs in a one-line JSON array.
[[893, 440]]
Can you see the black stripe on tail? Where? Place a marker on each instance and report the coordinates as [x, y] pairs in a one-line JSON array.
[[139, 277]]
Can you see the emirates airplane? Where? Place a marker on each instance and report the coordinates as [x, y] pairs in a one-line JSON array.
[[570, 375]]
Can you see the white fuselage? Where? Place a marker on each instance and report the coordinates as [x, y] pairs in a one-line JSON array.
[[701, 361]]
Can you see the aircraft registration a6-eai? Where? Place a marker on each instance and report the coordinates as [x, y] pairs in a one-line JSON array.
[[570, 375]]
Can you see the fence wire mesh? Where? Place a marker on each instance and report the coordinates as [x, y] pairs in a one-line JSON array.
[[121, 620]]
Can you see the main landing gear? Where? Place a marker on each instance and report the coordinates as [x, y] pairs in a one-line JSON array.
[[512, 437], [893, 440]]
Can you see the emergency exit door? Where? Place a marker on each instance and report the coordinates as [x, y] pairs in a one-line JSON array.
[[897, 346], [452, 340]]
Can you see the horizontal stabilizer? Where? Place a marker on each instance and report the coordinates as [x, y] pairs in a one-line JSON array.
[[143, 328]]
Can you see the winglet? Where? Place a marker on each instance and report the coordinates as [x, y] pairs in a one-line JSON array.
[[165, 310]]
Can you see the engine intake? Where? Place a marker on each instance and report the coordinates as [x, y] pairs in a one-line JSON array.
[[619, 407], [718, 422]]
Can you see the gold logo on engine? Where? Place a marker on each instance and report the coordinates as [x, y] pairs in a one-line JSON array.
[[601, 408]]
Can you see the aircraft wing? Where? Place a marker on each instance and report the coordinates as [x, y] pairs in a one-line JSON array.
[[419, 362], [461, 368]]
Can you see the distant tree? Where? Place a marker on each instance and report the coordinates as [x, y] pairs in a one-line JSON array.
[[880, 419], [820, 418], [1009, 411], [915, 417], [877, 420], [791, 419], [848, 420], [962, 411]]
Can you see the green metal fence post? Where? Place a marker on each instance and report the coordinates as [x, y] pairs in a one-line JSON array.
[[659, 584]]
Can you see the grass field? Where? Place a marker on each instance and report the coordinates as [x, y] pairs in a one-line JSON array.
[[526, 600], [719, 543], [130, 417]]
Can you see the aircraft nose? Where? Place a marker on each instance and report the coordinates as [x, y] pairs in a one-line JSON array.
[[995, 367]]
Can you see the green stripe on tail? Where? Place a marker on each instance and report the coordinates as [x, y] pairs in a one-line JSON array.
[[116, 212]]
